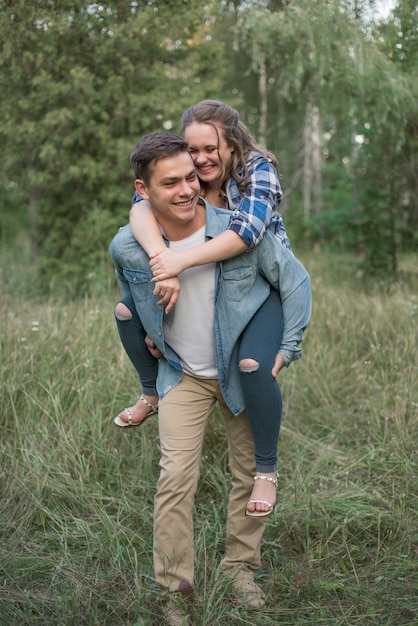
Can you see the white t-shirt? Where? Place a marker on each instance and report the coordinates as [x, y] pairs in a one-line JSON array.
[[189, 327]]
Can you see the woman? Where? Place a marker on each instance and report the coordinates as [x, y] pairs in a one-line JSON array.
[[238, 174]]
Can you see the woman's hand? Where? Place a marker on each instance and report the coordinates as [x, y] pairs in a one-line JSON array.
[[278, 365], [167, 263], [168, 290]]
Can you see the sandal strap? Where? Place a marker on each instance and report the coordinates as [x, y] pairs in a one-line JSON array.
[[129, 414], [152, 407], [269, 504], [268, 478]]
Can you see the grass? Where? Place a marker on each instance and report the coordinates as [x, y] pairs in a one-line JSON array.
[[77, 495]]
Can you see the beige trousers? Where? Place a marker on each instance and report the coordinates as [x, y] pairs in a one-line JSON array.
[[183, 417]]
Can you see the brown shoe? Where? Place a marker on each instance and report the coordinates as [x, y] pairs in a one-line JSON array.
[[175, 613], [248, 592]]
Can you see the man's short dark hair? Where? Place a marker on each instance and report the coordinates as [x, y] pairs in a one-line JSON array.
[[151, 149]]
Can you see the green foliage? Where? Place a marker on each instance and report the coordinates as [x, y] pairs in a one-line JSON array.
[[322, 54], [12, 220], [335, 223], [82, 83], [398, 38], [81, 266], [364, 222], [376, 233]]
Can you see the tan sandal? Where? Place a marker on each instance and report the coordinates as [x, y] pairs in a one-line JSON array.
[[269, 504], [153, 409]]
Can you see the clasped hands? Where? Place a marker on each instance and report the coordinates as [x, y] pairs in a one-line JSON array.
[[165, 266]]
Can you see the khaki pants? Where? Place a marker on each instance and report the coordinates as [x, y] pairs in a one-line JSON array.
[[183, 417]]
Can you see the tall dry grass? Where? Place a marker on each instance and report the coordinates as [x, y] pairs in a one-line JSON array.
[[77, 494]]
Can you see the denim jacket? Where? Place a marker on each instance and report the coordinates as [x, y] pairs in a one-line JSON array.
[[242, 285]]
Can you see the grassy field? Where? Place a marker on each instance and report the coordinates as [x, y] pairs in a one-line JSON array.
[[76, 494]]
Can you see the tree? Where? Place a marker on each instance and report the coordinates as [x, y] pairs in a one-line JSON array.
[[81, 83], [329, 94], [398, 40]]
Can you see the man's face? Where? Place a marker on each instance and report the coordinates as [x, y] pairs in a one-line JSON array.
[[173, 189]]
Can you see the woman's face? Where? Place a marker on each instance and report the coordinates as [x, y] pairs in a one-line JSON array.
[[209, 150]]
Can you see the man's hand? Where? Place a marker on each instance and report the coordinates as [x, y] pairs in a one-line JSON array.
[[168, 290], [278, 365], [153, 348], [166, 264]]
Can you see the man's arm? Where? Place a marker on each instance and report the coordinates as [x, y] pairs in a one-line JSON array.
[[222, 247], [146, 231], [113, 251], [126, 252], [286, 274], [297, 309], [145, 228]]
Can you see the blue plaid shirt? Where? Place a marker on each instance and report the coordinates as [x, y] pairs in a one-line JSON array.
[[256, 210]]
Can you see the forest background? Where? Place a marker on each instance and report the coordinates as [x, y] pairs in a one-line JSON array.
[[330, 91], [330, 87]]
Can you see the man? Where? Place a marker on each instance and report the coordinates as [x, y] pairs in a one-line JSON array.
[[198, 342]]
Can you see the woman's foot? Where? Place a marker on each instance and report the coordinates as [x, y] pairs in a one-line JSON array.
[[263, 496], [137, 414]]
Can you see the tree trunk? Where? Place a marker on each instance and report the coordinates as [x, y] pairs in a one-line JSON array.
[[33, 239], [262, 88], [312, 175]]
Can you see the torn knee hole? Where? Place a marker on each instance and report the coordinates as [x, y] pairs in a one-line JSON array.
[[248, 365], [122, 313]]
